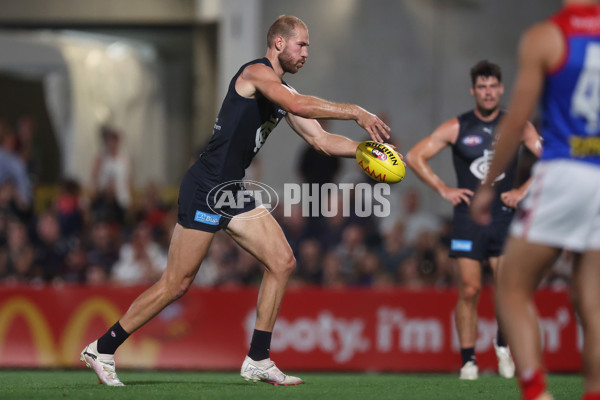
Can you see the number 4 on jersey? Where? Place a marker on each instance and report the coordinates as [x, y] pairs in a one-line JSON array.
[[586, 98]]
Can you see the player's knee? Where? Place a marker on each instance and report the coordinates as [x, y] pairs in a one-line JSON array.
[[175, 289], [470, 292], [285, 265]]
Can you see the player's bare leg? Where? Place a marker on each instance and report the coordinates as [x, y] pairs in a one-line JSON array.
[[469, 288], [523, 268], [263, 238], [506, 365], [586, 298], [187, 250]]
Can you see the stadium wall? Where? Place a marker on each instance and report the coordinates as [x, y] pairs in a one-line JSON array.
[[318, 329]]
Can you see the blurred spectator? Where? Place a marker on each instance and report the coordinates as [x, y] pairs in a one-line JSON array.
[[26, 126], [408, 276], [308, 267], [216, 263], [16, 259], [351, 248], [295, 227], [151, 209], [331, 228], [332, 271], [51, 248], [111, 172], [103, 248], [249, 269], [415, 218], [13, 171], [141, 261], [74, 268], [95, 275], [393, 251], [368, 271], [68, 208], [445, 275], [105, 207]]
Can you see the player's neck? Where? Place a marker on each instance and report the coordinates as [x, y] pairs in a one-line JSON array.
[[487, 115], [272, 56]]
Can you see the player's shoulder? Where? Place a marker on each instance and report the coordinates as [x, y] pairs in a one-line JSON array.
[[541, 37], [258, 71], [543, 43], [447, 130]]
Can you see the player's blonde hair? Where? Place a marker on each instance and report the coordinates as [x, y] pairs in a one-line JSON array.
[[284, 26]]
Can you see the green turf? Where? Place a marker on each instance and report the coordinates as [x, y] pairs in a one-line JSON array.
[[52, 384]]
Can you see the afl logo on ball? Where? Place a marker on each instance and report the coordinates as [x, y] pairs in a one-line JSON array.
[[379, 154], [472, 140]]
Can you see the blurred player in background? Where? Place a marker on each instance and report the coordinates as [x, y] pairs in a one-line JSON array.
[[470, 136], [256, 101], [559, 61]]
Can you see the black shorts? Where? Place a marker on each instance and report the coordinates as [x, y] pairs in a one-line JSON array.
[[200, 207], [478, 242]]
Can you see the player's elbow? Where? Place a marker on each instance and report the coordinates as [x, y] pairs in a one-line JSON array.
[[320, 144], [410, 159]]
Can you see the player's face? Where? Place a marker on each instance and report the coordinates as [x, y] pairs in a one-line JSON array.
[[295, 52], [487, 92]]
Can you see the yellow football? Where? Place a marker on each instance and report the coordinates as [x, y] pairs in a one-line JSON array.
[[380, 162]]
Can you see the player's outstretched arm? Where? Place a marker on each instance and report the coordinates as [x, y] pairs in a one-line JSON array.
[[417, 159], [327, 143], [258, 79]]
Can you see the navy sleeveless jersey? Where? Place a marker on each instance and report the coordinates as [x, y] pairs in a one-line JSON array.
[[242, 127], [472, 156]]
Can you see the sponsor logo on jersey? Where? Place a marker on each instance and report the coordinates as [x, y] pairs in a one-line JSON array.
[[206, 218], [488, 130], [461, 245], [472, 140], [379, 154], [584, 146]]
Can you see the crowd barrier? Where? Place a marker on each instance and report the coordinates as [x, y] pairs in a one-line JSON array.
[[318, 329]]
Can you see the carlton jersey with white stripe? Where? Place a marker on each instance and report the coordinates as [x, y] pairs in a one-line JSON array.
[[472, 155], [211, 191], [571, 99], [242, 127]]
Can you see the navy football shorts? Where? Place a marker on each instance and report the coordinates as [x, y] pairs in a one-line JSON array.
[[478, 242], [209, 211]]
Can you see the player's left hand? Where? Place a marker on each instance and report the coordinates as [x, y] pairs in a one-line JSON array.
[[512, 197], [377, 129], [481, 205]]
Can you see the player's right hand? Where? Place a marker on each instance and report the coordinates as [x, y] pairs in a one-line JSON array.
[[456, 195], [377, 129]]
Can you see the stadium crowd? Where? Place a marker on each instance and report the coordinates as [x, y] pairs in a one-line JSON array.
[[86, 235]]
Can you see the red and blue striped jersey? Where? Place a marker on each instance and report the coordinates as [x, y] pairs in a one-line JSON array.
[[571, 98]]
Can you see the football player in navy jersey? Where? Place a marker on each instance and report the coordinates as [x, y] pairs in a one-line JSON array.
[[470, 136], [559, 65], [256, 101]]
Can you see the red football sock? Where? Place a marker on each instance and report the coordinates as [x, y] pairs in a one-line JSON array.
[[591, 396], [533, 385]]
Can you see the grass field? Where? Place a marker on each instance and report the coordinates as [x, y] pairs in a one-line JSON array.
[[80, 384]]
